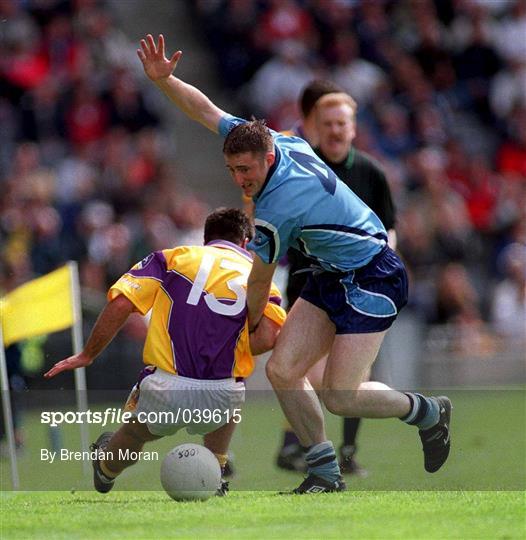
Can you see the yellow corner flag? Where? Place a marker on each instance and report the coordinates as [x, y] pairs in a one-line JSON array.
[[40, 306]]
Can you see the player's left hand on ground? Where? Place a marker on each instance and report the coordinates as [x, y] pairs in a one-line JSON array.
[[72, 362]]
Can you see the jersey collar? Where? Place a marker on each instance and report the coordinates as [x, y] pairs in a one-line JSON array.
[[225, 244], [347, 162], [270, 172], [350, 158]]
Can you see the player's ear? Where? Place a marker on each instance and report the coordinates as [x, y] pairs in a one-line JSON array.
[[244, 244], [270, 157]]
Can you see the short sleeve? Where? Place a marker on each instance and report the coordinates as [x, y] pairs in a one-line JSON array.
[[273, 236], [275, 313], [141, 284], [273, 309], [228, 123]]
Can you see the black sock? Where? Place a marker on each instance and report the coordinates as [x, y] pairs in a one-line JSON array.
[[350, 430], [289, 439]]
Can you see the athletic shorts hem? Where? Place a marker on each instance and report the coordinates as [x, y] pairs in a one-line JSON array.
[[363, 301]]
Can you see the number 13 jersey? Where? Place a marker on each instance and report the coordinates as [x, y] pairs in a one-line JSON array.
[[197, 297]]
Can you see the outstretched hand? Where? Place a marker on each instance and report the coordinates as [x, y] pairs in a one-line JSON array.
[[73, 362], [153, 58]]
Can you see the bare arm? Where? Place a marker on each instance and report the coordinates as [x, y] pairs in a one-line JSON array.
[[258, 290], [186, 97], [110, 321]]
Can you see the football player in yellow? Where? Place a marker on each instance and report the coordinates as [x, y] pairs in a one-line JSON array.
[[198, 349]]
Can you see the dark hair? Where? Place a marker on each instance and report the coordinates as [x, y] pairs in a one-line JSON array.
[[253, 136], [314, 91], [228, 224]]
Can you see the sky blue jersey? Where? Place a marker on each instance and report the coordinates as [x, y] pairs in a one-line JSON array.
[[304, 205]]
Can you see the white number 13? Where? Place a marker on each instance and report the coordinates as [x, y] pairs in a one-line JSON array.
[[235, 285]]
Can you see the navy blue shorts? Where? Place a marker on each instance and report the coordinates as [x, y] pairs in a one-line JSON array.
[[364, 300]]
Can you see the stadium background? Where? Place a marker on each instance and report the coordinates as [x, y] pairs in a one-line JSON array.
[[96, 166]]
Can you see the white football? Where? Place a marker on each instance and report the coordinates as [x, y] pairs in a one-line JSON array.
[[190, 472]]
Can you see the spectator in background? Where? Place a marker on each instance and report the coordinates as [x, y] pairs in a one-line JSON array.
[[107, 45], [477, 62], [331, 17], [508, 89], [356, 76], [232, 35], [395, 139], [509, 33], [431, 49], [480, 194], [508, 313], [282, 21], [511, 157], [126, 104], [86, 116], [373, 29], [457, 300], [458, 305], [279, 81]]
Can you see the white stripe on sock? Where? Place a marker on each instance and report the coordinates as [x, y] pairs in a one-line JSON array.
[[415, 407]]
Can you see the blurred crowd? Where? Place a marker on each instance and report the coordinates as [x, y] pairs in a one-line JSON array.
[[441, 93], [441, 90], [83, 172]]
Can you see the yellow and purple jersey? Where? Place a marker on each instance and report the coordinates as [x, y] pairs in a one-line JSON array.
[[197, 297]]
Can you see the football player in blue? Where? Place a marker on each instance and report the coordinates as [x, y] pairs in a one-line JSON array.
[[354, 292]]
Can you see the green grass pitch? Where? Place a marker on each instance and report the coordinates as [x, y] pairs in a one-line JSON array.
[[248, 514], [479, 493]]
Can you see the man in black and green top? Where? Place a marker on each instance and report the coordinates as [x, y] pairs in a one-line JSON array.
[[333, 115]]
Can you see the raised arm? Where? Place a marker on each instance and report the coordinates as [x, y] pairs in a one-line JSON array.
[[189, 99]]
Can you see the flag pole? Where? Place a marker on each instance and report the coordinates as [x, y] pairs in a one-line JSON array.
[[8, 418], [80, 373]]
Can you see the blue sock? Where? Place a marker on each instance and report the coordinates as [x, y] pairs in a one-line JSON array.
[[321, 461], [424, 413]]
